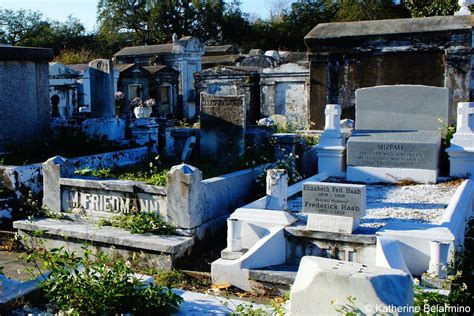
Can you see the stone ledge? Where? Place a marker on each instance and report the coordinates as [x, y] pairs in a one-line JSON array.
[[25, 53], [170, 244], [114, 185], [301, 231], [281, 274], [393, 26]]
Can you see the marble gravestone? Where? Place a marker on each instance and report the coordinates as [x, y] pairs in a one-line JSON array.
[[103, 125], [397, 134], [102, 94], [334, 207], [222, 127]]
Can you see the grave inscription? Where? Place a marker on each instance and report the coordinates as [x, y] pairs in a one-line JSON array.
[[92, 201], [222, 127], [222, 111], [334, 199]]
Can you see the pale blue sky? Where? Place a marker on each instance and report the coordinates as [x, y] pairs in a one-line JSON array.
[[86, 10]]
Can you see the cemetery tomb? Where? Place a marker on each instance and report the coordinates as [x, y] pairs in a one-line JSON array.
[[222, 127], [410, 216], [343, 57], [103, 125], [397, 134], [25, 102], [384, 204], [232, 81]]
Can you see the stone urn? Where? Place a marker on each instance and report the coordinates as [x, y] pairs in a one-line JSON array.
[[142, 111]]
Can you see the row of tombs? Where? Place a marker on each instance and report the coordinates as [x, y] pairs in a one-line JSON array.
[[341, 58], [316, 233], [319, 226]]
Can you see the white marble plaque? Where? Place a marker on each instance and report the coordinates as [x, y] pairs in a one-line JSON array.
[[332, 223], [334, 199]]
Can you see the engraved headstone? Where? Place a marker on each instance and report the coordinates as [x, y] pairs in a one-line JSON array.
[[222, 127], [102, 88], [334, 207], [397, 135], [106, 203]]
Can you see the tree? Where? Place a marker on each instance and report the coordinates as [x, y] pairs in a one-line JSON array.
[[119, 16], [29, 28], [422, 8], [236, 27], [362, 10], [154, 21], [18, 27], [277, 8]]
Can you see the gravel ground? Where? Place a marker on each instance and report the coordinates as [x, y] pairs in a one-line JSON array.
[[424, 203]]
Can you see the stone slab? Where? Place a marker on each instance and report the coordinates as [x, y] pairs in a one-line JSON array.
[[12, 290], [371, 287], [26, 53], [394, 149], [390, 175], [337, 199], [112, 129], [301, 231], [222, 126], [401, 107], [280, 274], [332, 223], [232, 255], [393, 26], [129, 186], [170, 244], [204, 304]]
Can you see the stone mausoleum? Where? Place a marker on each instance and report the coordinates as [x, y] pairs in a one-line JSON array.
[[24, 101], [183, 55], [344, 57]]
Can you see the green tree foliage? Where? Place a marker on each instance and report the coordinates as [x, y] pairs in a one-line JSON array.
[[422, 8], [137, 22], [18, 27], [362, 10], [155, 21], [29, 28]]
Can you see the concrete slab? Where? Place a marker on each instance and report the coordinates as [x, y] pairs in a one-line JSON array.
[[202, 304], [170, 244]]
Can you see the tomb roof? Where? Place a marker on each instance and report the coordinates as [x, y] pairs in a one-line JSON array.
[[326, 31], [25, 53], [220, 50], [145, 50]]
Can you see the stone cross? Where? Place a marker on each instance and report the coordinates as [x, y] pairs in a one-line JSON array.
[[333, 115], [465, 118]]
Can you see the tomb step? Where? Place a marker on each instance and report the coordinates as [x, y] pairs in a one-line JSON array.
[[159, 250], [354, 238], [280, 274]]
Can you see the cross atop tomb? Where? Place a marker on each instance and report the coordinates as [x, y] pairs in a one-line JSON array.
[[333, 114], [465, 119]]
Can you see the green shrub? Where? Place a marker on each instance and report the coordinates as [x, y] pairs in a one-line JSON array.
[[141, 223], [156, 173], [94, 284]]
